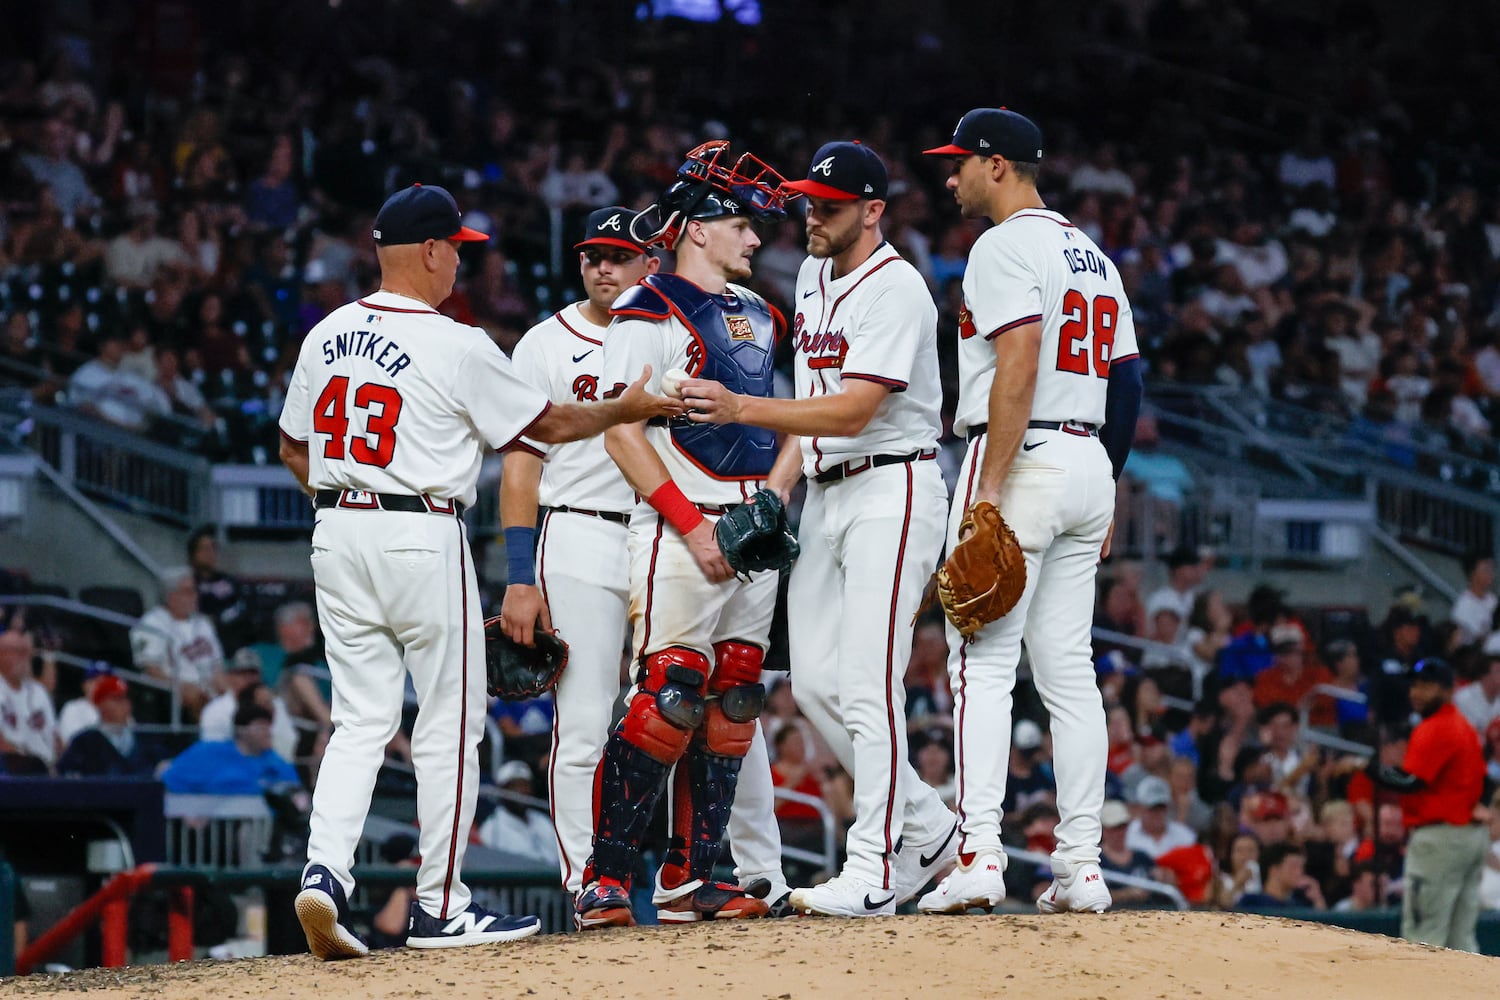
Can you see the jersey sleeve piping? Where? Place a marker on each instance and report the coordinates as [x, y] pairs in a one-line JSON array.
[[525, 431], [294, 440], [1012, 325], [893, 384]]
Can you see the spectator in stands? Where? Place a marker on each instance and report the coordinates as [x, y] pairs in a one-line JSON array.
[[111, 748], [1209, 625], [1246, 655], [216, 723], [175, 642], [526, 727], [1489, 882], [801, 824], [391, 919], [1239, 874], [220, 596], [1163, 627], [81, 713], [1030, 779], [1286, 882], [1290, 680], [1188, 807], [1366, 891], [1115, 855], [245, 765], [1474, 608], [1352, 716], [934, 763], [1153, 832], [52, 165], [1402, 631], [1386, 848], [293, 663], [102, 389], [1290, 764], [138, 256], [1187, 569], [520, 827], [1331, 845], [929, 702], [29, 743], [272, 200], [1156, 484], [1479, 701]]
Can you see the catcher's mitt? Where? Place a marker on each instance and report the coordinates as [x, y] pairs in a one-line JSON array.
[[516, 672], [984, 575], [755, 536]]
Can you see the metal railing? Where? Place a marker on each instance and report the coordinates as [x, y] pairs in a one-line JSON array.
[[1312, 734], [217, 831]]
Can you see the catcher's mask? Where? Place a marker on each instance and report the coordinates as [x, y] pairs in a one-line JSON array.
[[709, 186]]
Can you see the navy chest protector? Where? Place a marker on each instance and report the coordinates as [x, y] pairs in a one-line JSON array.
[[734, 342]]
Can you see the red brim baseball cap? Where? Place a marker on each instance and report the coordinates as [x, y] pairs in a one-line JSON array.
[[467, 235], [843, 171], [994, 132], [421, 213]]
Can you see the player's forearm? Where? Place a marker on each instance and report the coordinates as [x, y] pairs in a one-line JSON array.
[[520, 478], [294, 457], [1011, 395], [842, 414], [639, 463], [575, 421], [788, 467]]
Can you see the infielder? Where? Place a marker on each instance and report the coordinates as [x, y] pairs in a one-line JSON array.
[[578, 580], [864, 430], [390, 409], [700, 632], [1049, 388]]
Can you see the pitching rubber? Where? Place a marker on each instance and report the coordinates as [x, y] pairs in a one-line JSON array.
[[326, 938]]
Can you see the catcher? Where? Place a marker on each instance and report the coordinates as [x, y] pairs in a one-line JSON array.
[[700, 630]]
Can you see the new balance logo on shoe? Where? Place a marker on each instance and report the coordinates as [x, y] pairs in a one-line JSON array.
[[468, 922], [871, 905]]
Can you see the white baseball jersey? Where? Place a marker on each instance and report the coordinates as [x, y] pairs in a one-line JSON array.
[[27, 721], [190, 646], [876, 323], [563, 356], [387, 369], [634, 343], [1037, 267]]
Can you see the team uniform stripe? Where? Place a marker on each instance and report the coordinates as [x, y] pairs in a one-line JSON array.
[[1125, 357], [541, 580], [523, 446], [463, 713], [894, 384], [525, 431], [394, 309], [661, 525], [564, 323], [294, 440], [1012, 325], [1038, 215], [890, 673], [963, 664]]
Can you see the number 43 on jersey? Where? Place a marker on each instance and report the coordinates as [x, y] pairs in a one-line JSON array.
[[381, 405]]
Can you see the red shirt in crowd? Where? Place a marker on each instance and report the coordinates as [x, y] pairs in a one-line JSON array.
[[1272, 686], [807, 786], [1444, 753]]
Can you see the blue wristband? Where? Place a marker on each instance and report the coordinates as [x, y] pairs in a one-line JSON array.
[[520, 555]]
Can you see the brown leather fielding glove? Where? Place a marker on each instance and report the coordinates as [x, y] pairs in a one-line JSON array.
[[985, 574]]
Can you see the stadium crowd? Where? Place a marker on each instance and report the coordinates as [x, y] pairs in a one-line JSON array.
[[175, 215]]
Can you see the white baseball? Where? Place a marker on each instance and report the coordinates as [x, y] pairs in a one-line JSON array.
[[671, 380]]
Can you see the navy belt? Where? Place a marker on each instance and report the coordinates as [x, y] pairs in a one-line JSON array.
[[854, 467], [1074, 427], [404, 502], [604, 515]]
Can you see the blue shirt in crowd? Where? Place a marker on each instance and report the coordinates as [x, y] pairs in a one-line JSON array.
[[219, 768]]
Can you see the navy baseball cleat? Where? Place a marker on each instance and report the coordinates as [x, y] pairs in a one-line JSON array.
[[476, 925], [320, 906]]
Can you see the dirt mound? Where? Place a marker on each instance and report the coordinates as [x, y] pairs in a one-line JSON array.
[[1129, 955]]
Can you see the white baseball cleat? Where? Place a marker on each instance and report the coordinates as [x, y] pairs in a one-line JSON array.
[[979, 885], [1082, 891], [916, 865], [845, 896]]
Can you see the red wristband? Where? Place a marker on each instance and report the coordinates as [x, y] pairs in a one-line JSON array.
[[676, 508]]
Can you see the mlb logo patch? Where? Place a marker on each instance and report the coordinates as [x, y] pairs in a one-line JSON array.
[[739, 328]]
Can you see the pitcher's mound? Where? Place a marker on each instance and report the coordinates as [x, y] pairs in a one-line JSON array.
[[1129, 955]]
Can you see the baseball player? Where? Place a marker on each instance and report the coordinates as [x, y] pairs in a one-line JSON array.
[[387, 416], [699, 631], [1049, 388], [572, 573], [864, 430]]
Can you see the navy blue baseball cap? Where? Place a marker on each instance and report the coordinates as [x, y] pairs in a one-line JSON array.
[[420, 213], [994, 132], [609, 227], [1432, 669], [843, 171]]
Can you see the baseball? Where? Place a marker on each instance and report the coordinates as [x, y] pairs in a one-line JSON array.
[[670, 381]]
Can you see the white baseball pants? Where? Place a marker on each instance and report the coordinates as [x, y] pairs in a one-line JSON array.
[[869, 545], [1059, 499], [397, 593], [583, 571]]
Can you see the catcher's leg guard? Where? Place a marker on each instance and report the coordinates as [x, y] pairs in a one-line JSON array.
[[655, 732], [736, 698]]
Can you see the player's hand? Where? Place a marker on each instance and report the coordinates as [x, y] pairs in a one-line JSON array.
[[1109, 537], [709, 402], [636, 404], [522, 611], [704, 546]]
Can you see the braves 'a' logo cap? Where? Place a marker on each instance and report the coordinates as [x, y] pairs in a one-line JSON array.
[[609, 227], [994, 132], [843, 171]]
